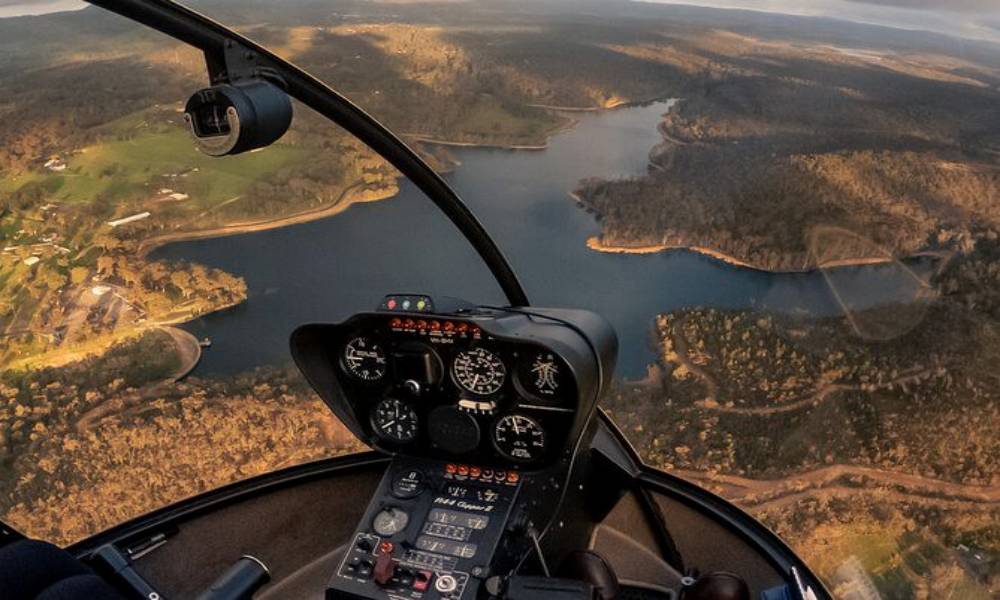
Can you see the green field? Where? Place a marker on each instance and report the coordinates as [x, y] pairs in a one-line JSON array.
[[134, 159]]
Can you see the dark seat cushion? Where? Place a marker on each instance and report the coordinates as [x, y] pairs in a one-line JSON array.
[[80, 587], [32, 569]]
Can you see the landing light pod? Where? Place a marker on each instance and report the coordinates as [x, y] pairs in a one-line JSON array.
[[237, 117]]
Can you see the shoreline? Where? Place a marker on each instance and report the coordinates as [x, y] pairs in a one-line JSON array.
[[586, 109], [595, 244], [190, 354], [150, 244], [423, 139], [426, 139], [345, 201], [620, 103]]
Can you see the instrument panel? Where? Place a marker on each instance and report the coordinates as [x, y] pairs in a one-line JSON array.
[[445, 386]]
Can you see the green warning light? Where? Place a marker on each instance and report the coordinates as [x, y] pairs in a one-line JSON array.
[[421, 304]]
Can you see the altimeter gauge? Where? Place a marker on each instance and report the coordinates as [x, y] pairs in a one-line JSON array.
[[519, 438], [479, 371], [364, 359], [395, 420]]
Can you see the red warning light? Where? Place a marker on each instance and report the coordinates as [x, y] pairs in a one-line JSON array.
[[435, 325], [449, 326], [463, 327], [391, 304], [395, 323]]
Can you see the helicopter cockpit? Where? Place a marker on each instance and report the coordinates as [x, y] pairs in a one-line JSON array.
[[485, 410], [493, 472]]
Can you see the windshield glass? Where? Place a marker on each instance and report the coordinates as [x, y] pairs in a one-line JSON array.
[[789, 214]]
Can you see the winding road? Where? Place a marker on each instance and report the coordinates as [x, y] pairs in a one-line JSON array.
[[820, 395], [188, 352], [842, 481]]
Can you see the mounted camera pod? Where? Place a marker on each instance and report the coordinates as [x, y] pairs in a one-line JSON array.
[[231, 118]]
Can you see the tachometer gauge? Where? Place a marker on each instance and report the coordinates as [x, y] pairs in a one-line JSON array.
[[479, 371], [364, 359], [395, 421], [519, 438]]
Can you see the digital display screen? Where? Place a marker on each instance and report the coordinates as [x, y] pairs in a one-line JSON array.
[[460, 519], [449, 547]]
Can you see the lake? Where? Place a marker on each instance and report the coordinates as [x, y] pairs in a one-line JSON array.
[[328, 269]]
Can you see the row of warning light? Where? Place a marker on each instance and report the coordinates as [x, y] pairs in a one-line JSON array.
[[424, 325], [474, 472]]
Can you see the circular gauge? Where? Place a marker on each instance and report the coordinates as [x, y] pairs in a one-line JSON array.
[[519, 438], [540, 375], [479, 371], [390, 521], [364, 359], [395, 421]]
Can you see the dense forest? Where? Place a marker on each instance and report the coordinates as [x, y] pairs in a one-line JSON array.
[[70, 467], [776, 140], [839, 425]]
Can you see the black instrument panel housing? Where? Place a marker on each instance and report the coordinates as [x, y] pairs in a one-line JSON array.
[[582, 343]]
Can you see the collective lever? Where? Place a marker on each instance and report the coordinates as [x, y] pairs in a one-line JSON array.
[[384, 569]]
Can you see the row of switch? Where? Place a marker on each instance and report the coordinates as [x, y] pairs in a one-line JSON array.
[[388, 573], [487, 475], [417, 580]]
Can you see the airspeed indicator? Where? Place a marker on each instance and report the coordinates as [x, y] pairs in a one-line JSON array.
[[364, 359]]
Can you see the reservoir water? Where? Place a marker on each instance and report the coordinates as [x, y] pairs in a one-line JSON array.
[[326, 270]]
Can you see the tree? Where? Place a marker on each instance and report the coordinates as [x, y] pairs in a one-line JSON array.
[[106, 264], [182, 281], [78, 275]]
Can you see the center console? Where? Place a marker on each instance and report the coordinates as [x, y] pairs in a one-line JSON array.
[[432, 531], [483, 410]]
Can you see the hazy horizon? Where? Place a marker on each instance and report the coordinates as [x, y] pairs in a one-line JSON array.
[[970, 19]]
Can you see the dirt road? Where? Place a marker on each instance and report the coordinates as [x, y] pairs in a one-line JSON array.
[[841, 480], [189, 353]]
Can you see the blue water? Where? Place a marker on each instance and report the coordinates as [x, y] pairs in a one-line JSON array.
[[328, 269]]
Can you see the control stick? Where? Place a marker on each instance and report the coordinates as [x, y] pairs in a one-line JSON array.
[[239, 582]]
